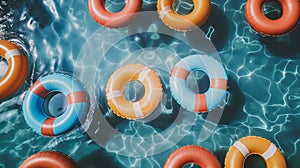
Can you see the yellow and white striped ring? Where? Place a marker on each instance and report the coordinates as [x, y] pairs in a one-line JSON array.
[[139, 109], [247, 146], [188, 22]]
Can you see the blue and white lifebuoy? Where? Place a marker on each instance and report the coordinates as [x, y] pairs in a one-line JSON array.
[[186, 97], [34, 112]]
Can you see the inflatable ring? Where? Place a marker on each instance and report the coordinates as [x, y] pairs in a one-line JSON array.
[[49, 159], [186, 97], [183, 22], [192, 154], [246, 146], [17, 68], [259, 22], [145, 106], [114, 20], [35, 114]]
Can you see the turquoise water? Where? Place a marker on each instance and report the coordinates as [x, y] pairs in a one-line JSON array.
[[57, 35]]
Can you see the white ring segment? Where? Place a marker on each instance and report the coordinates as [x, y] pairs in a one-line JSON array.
[[270, 152], [242, 148], [165, 11], [12, 53], [114, 94], [137, 109], [144, 73]]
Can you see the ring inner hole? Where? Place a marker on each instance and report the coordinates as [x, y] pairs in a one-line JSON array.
[[198, 81], [272, 9], [115, 6], [55, 104], [183, 7], [254, 160], [191, 165], [134, 91], [3, 66]]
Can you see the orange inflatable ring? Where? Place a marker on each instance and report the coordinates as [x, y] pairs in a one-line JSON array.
[[259, 22], [246, 146], [114, 20], [49, 159], [183, 22], [192, 154], [17, 68], [139, 109]]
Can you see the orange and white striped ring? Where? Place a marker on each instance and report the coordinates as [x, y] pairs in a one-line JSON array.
[[183, 22], [49, 159], [139, 109], [114, 20], [192, 154], [259, 22], [17, 68], [246, 146]]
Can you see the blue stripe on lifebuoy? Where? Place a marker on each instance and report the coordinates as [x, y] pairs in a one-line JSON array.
[[198, 102], [33, 104]]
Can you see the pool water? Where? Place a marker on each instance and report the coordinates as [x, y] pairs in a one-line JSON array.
[[60, 36]]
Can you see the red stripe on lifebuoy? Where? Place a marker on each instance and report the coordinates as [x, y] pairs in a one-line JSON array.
[[180, 73], [38, 89], [218, 83], [76, 97], [200, 104], [47, 127]]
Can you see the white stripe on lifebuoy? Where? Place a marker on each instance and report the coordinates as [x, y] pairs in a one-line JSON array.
[[113, 94], [11, 53], [3, 68], [143, 74], [164, 11], [269, 152], [242, 148], [137, 110]]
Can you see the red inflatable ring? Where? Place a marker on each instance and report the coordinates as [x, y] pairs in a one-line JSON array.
[[192, 154], [259, 22], [49, 159], [113, 20]]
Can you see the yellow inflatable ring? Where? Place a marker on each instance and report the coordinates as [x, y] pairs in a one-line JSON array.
[[128, 109], [246, 146], [17, 68], [183, 22]]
